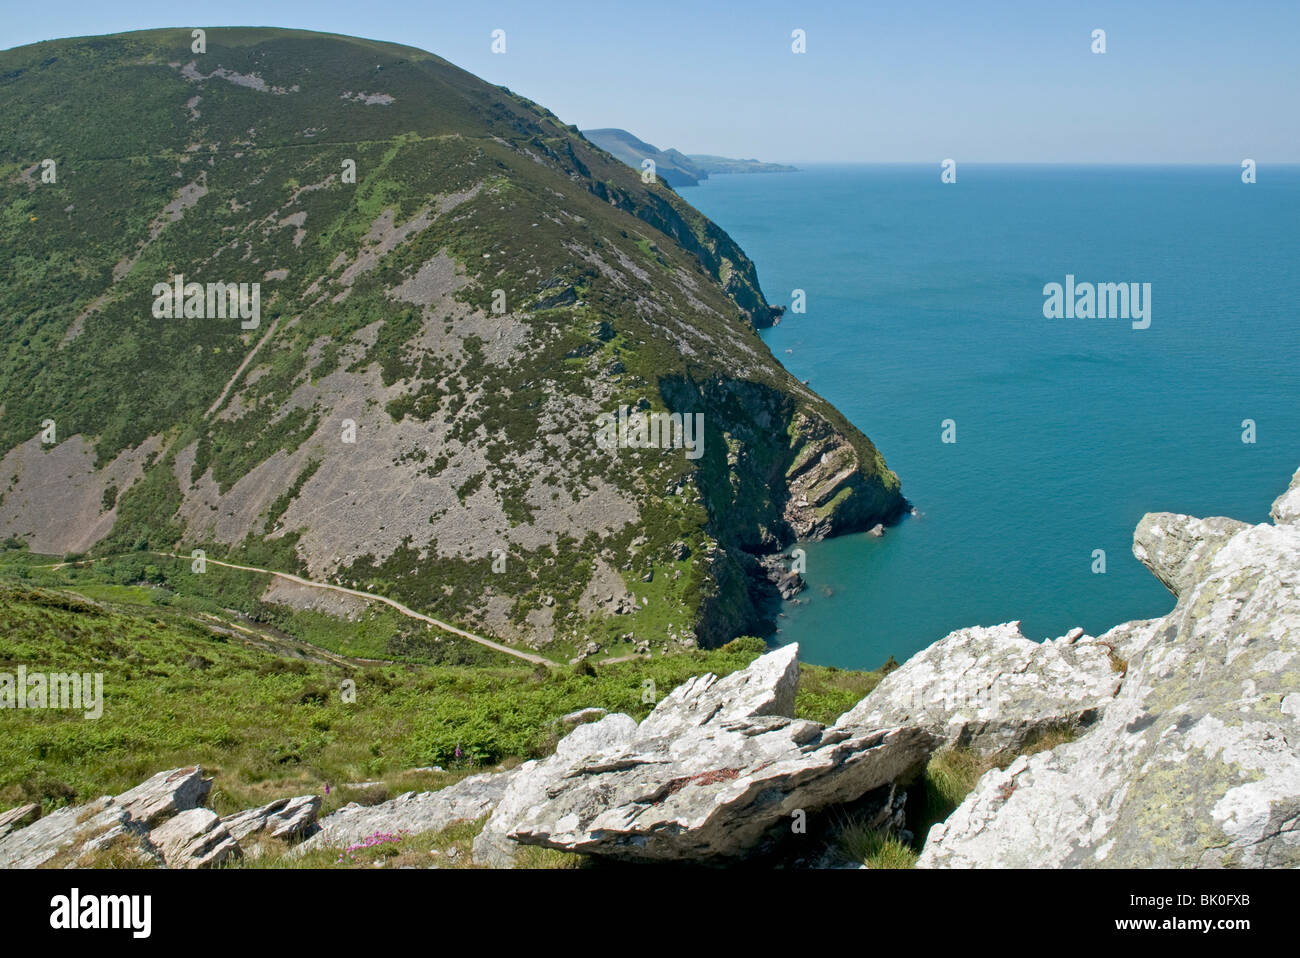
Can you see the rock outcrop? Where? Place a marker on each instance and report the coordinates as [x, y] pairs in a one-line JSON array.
[[165, 795], [991, 688], [716, 766], [75, 831], [160, 821], [284, 819], [1196, 763], [468, 800], [71, 831], [194, 839]]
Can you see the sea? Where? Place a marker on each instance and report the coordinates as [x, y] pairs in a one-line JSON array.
[[1029, 445]]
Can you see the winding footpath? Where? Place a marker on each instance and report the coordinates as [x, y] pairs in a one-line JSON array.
[[368, 596]]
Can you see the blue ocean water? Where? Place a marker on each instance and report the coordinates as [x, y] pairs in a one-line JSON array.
[[925, 303]]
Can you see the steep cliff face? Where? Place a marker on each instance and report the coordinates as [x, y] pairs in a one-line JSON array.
[[454, 288]]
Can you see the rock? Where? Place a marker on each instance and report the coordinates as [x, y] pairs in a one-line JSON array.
[[76, 830], [68, 829], [582, 715], [992, 688], [878, 530], [1177, 549], [194, 839], [1286, 509], [705, 776], [165, 794], [1196, 763], [285, 819], [18, 817], [467, 800], [790, 585]]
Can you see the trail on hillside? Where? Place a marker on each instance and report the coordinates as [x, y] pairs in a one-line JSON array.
[[369, 596]]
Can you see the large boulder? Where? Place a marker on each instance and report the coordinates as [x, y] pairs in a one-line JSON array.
[[715, 766], [1196, 763], [991, 688]]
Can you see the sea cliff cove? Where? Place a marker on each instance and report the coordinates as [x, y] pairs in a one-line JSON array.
[[619, 494]]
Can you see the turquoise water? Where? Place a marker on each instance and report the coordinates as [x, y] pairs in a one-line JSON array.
[[925, 303]]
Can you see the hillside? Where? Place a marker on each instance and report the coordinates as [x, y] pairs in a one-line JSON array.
[[674, 167], [414, 406], [171, 669]]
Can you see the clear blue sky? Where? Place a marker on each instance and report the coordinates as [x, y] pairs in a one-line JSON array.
[[1010, 81]]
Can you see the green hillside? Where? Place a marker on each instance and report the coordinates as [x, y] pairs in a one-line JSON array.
[[182, 687], [414, 409]]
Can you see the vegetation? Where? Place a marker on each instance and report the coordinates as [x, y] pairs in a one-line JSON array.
[[269, 720], [624, 294]]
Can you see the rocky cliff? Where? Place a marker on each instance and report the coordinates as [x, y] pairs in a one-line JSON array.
[[1196, 760]]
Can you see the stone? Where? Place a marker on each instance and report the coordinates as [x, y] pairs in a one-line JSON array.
[[467, 800], [991, 688], [1286, 508], [582, 715], [878, 530], [285, 819], [714, 768], [194, 839], [165, 794], [1196, 763], [1177, 549], [18, 817], [69, 829]]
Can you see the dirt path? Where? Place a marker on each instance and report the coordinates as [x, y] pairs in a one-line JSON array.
[[372, 597], [369, 596]]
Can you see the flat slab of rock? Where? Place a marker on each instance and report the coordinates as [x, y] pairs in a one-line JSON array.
[[709, 772], [17, 818], [194, 839], [1197, 761], [992, 688], [285, 819], [467, 800]]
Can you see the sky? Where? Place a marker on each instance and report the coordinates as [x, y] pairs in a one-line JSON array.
[[1001, 81]]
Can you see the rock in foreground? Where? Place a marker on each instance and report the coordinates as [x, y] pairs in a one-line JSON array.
[[710, 771], [467, 800], [1197, 761], [992, 688]]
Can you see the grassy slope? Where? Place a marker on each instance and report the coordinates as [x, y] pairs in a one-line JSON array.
[[177, 692]]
